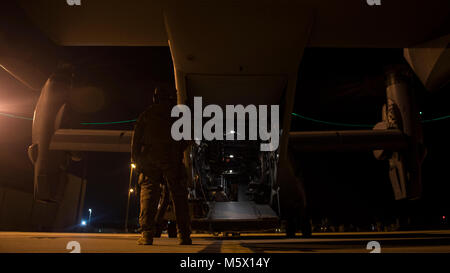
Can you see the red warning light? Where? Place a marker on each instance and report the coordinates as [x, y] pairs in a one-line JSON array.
[[443, 217]]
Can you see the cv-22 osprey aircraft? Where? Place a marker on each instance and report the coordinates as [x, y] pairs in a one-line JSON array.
[[228, 53]]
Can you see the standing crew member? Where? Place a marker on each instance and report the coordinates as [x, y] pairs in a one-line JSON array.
[[159, 158]]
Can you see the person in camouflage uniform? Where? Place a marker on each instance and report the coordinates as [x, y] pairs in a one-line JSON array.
[[160, 159], [164, 203]]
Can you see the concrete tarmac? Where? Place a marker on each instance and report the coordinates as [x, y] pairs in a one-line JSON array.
[[437, 241]]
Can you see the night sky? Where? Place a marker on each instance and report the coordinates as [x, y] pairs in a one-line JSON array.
[[340, 85]]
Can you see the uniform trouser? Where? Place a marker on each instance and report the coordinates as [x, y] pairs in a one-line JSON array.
[[154, 177], [163, 204]]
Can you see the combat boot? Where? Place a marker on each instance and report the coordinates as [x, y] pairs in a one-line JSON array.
[[146, 238], [158, 233], [183, 219], [184, 239]]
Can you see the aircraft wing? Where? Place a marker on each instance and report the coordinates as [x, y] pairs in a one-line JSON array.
[[120, 140], [91, 140]]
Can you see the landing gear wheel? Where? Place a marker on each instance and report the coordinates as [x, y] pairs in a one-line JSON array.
[[172, 229]]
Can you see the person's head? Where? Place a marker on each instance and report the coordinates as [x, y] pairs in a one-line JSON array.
[[163, 94]]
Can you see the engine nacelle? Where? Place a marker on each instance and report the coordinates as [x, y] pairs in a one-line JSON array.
[[399, 112]]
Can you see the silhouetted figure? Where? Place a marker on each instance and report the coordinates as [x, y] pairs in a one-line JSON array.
[[160, 159]]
